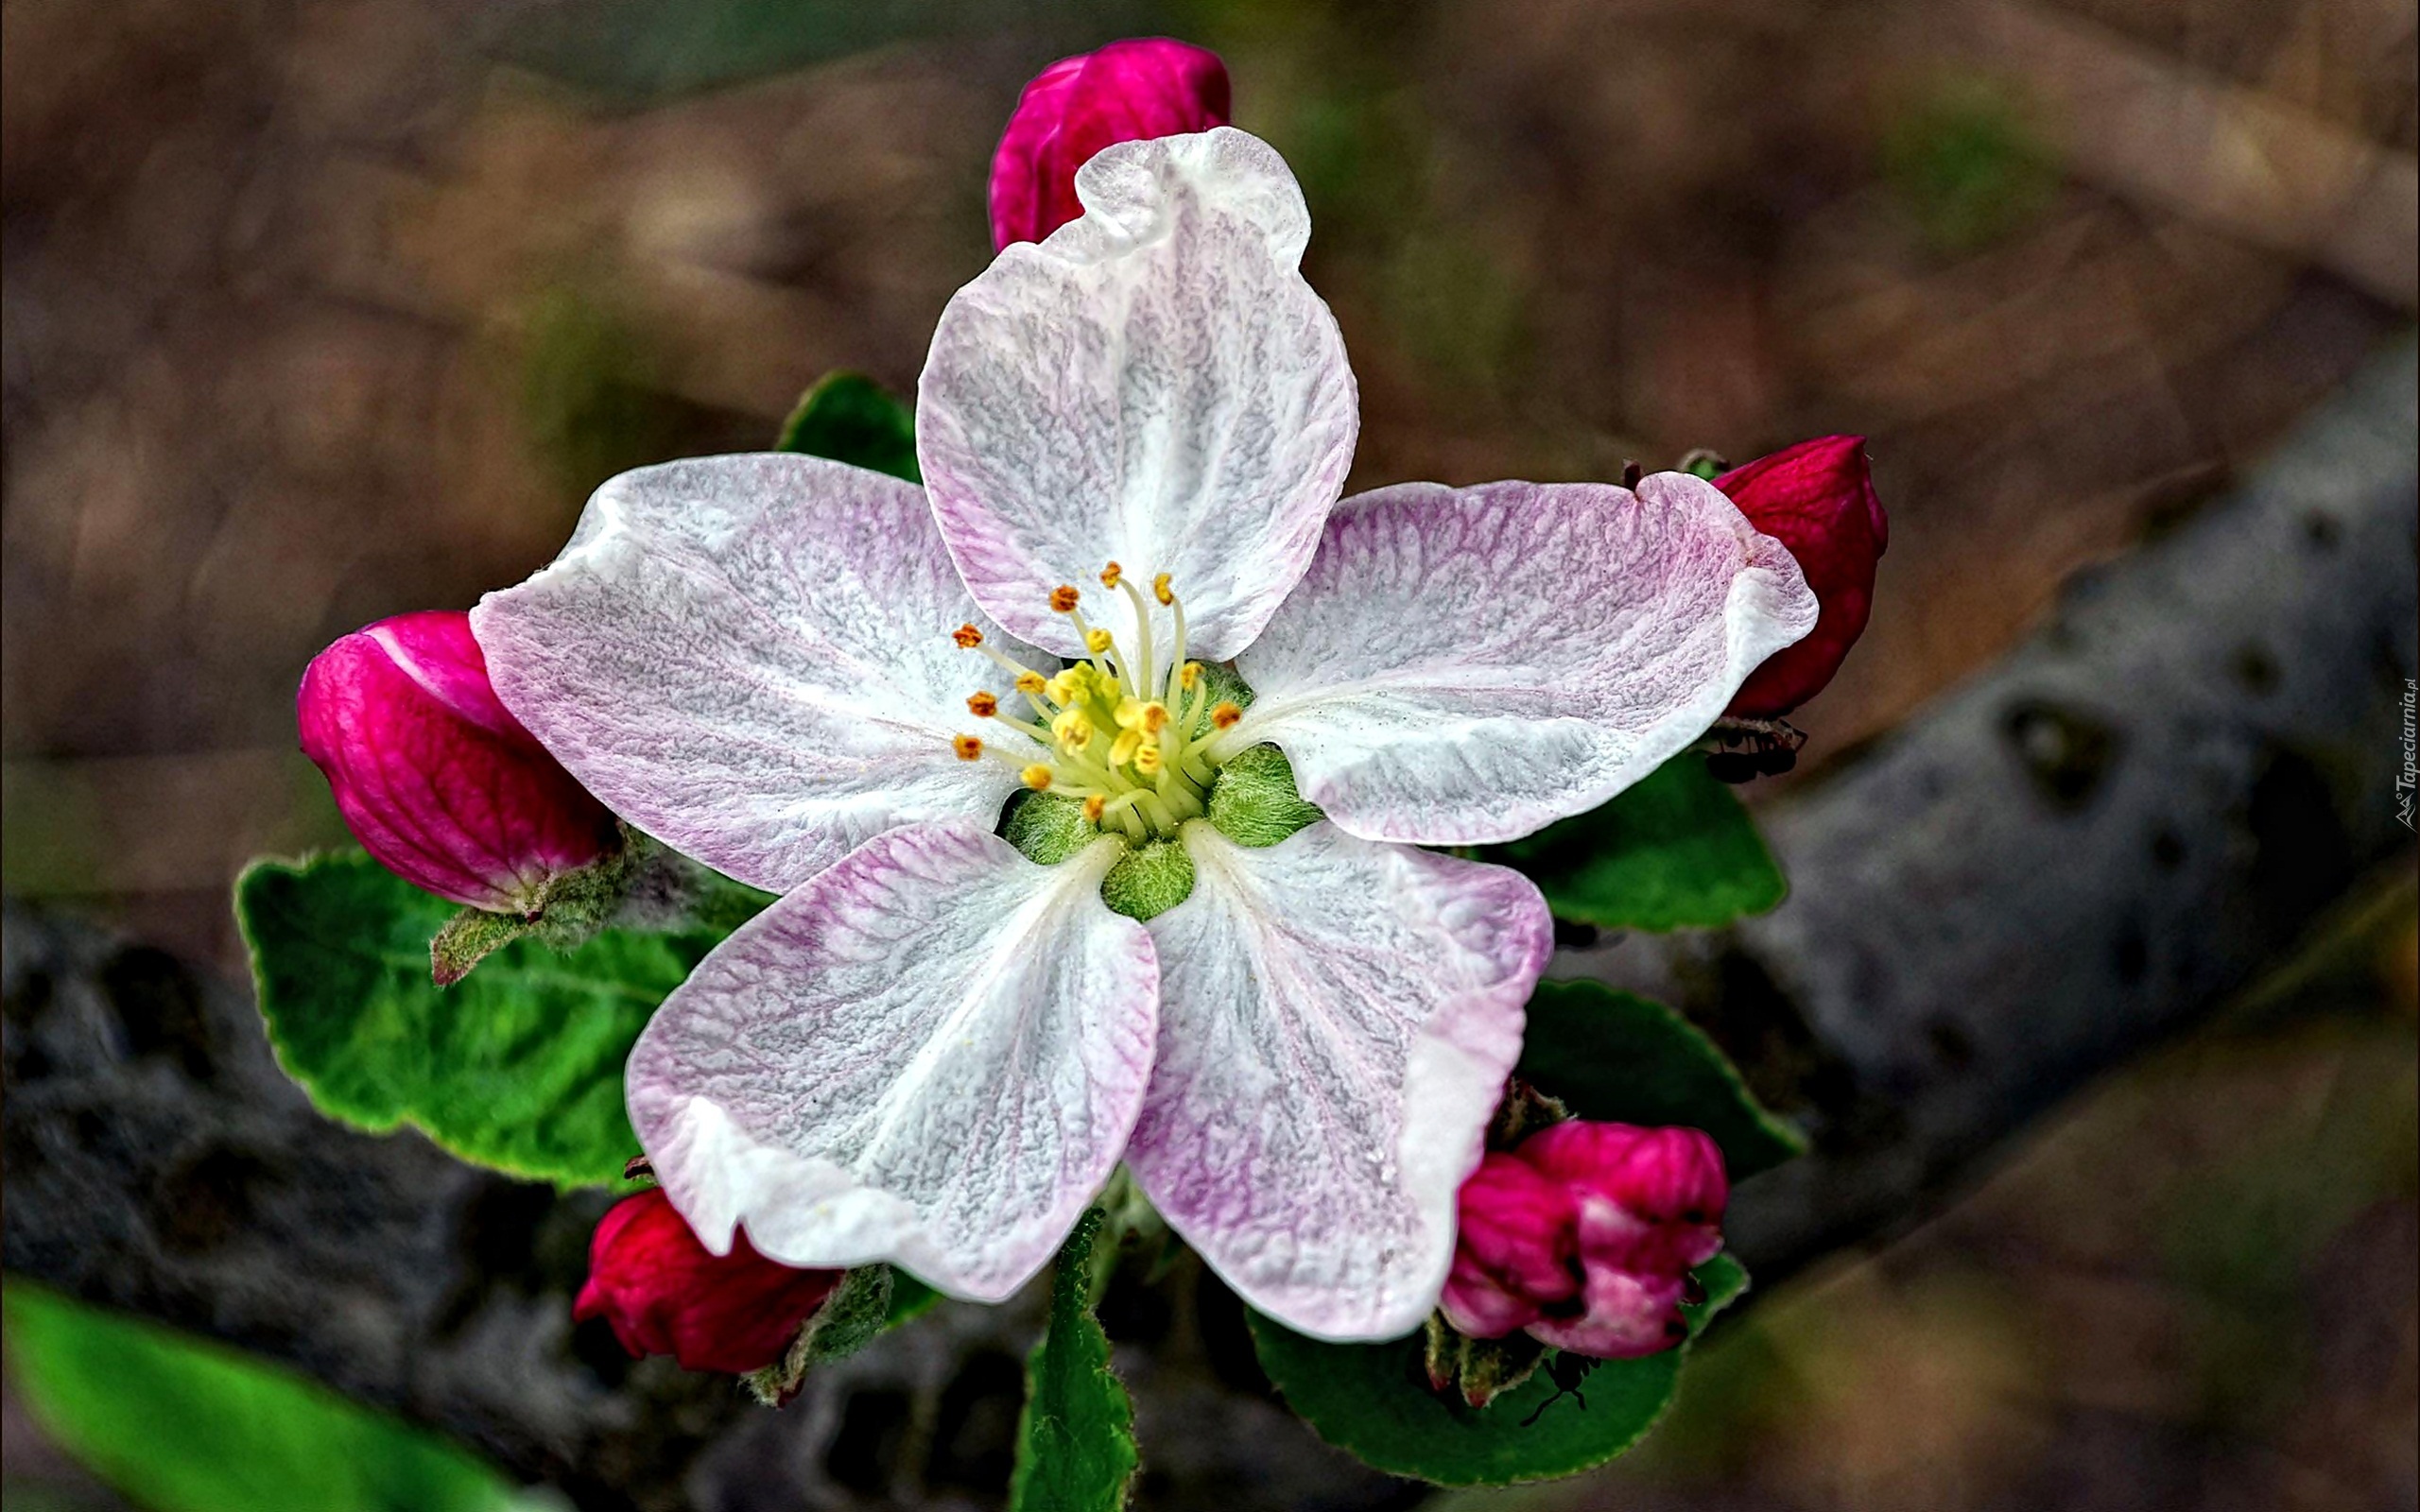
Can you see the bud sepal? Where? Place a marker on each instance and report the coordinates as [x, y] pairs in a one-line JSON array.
[[858, 1308]]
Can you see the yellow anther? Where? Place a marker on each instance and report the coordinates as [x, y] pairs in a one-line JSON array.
[[1161, 590], [1031, 682], [1064, 597], [1130, 714], [982, 705], [1094, 807], [1122, 750], [1097, 641], [1155, 718], [1072, 729], [1190, 678], [967, 637], [969, 748], [1111, 574], [1037, 777], [1147, 761], [1225, 714]]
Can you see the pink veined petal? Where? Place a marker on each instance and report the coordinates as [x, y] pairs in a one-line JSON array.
[[1335, 1027], [750, 659], [1153, 384], [931, 1053], [1467, 665]]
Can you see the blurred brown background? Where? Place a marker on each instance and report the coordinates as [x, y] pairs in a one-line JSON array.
[[319, 312]]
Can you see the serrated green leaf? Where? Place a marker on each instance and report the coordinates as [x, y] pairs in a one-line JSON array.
[[1373, 1402], [1624, 1058], [850, 417], [1676, 852], [1076, 1442], [517, 1067], [179, 1424]]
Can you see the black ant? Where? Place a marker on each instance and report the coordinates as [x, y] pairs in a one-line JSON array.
[[1566, 1370]]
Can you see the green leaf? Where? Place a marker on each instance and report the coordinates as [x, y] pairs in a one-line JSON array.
[[850, 417], [1623, 1058], [909, 1299], [518, 1067], [1075, 1443], [1373, 1401], [1676, 852], [181, 1425]]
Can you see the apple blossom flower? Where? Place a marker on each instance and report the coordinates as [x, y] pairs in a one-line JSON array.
[[665, 1293], [434, 775], [1125, 92], [1583, 1236], [933, 1050], [1817, 498]]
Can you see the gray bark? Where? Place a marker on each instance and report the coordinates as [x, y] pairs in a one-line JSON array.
[[2100, 837], [2083, 848]]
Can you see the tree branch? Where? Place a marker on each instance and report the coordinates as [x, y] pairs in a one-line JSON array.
[[2078, 852], [2103, 835]]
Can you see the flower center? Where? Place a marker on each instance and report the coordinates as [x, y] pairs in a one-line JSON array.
[[1124, 729]]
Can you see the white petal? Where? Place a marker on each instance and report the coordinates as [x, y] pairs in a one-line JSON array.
[[930, 1053], [1337, 1021], [1467, 665], [1154, 385], [750, 659]]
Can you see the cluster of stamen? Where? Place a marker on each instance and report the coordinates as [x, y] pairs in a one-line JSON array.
[[1121, 730]]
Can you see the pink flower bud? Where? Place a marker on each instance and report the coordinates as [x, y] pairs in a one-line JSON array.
[[1127, 92], [665, 1294], [1584, 1236], [1817, 498], [1515, 1251], [434, 775]]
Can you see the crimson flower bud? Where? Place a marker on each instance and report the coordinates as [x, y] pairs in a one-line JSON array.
[[1514, 1249], [1583, 1236], [1127, 92], [433, 774], [665, 1293], [1817, 498]]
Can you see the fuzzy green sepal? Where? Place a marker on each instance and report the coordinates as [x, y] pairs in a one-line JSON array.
[[1150, 880], [1046, 828], [1254, 804]]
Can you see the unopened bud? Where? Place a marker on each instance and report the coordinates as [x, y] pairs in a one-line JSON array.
[[1584, 1235], [1125, 92], [434, 775], [665, 1293], [1817, 498]]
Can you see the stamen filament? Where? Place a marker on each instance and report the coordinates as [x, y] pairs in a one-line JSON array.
[[1143, 679], [1039, 734], [1161, 818], [1103, 659], [1136, 762], [1176, 650]]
